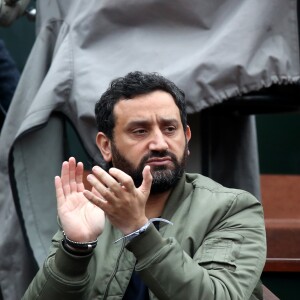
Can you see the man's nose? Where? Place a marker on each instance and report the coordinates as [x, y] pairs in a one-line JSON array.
[[158, 142]]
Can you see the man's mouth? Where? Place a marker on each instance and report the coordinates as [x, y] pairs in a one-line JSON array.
[[158, 161]]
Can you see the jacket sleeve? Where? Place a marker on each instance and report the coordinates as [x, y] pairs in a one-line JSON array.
[[227, 264], [62, 276]]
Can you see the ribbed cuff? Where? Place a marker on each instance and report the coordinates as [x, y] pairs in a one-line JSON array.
[[71, 265]]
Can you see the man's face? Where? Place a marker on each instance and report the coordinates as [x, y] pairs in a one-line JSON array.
[[164, 177], [148, 131]]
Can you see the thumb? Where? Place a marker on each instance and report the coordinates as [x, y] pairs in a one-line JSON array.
[[145, 187]]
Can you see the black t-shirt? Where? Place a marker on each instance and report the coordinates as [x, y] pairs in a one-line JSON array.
[[136, 289]]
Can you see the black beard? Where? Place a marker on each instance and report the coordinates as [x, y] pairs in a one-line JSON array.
[[164, 178]]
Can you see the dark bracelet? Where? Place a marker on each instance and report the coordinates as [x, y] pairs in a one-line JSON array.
[[79, 245]]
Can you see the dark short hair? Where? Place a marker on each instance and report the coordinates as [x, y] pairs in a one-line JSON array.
[[130, 86]]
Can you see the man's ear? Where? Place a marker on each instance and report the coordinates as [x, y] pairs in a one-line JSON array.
[[188, 133], [104, 145]]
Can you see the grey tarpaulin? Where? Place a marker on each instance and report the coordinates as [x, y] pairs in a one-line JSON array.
[[213, 50]]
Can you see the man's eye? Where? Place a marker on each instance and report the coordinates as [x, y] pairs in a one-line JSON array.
[[170, 129], [139, 131]]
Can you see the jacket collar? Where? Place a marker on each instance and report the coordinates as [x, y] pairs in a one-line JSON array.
[[179, 193]]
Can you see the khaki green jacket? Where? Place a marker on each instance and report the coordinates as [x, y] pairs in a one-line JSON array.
[[216, 249]]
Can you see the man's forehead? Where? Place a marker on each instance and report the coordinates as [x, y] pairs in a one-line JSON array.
[[141, 106], [152, 99], [141, 121], [156, 107]]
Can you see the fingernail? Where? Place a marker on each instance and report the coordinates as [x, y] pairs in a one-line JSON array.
[[96, 168]]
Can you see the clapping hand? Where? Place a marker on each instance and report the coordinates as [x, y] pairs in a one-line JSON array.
[[115, 193], [82, 221]]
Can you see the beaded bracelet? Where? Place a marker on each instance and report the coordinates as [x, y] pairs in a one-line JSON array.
[[80, 245]]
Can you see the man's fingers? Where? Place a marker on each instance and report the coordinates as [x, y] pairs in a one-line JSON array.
[[60, 196], [98, 201], [121, 181], [103, 192], [79, 177], [147, 181], [65, 179], [96, 193], [103, 176], [106, 184], [72, 174], [117, 180]]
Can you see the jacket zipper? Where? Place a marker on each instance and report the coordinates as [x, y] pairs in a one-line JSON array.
[[114, 271]]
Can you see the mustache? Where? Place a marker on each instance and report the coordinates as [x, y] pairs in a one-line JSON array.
[[158, 154]]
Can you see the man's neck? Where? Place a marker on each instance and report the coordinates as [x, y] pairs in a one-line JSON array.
[[155, 204]]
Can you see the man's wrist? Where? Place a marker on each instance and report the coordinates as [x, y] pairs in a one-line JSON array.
[[135, 233], [78, 248], [129, 227], [76, 251], [141, 230]]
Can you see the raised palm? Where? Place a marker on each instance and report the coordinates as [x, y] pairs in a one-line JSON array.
[[81, 220]]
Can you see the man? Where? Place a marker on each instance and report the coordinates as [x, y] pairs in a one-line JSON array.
[[208, 241]]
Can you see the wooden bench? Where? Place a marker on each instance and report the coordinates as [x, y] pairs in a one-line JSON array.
[[281, 202]]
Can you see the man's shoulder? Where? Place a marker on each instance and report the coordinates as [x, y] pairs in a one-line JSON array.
[[198, 180], [203, 182], [205, 185], [218, 203]]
